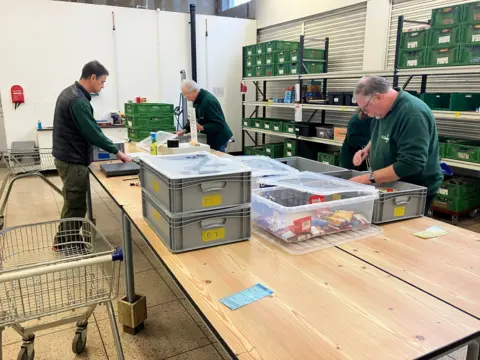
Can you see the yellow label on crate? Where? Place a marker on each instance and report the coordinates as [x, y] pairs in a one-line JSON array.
[[156, 215], [211, 200], [399, 211], [212, 235], [457, 115], [156, 186], [337, 197]]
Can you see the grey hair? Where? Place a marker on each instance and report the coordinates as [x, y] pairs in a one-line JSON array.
[[189, 86], [370, 85]]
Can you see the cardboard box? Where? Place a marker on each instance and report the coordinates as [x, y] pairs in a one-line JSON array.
[[339, 133]]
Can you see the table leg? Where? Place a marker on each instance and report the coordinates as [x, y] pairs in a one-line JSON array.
[[473, 350], [89, 201], [132, 309]]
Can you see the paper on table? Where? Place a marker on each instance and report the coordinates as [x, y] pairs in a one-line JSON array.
[[246, 296], [431, 232]]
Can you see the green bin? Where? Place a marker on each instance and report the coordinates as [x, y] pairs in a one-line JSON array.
[[260, 60], [253, 150], [276, 125], [471, 12], [414, 39], [270, 59], [314, 67], [329, 158], [469, 54], [436, 101], [249, 71], [269, 70], [447, 16], [443, 55], [148, 109], [459, 187], [282, 57], [249, 61], [468, 151], [249, 50], [282, 69], [260, 49], [141, 134], [313, 54], [280, 45], [445, 36], [464, 101], [266, 124], [148, 123], [290, 144], [455, 205], [412, 58], [258, 123], [259, 71], [470, 34], [274, 150], [289, 127]]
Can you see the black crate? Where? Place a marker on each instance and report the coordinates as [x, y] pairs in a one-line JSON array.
[[304, 129], [336, 98]]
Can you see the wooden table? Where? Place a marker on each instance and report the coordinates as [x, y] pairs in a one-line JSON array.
[[447, 267], [327, 305]]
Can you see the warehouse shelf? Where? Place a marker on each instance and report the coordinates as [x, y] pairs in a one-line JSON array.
[[457, 115], [269, 132], [447, 70], [321, 141], [462, 164], [272, 78], [303, 106], [351, 74], [269, 104]]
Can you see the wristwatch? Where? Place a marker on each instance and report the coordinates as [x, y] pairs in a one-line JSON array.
[[372, 178]]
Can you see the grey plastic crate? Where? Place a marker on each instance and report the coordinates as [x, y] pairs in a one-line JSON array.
[[303, 164], [347, 174], [407, 202], [102, 155], [198, 193], [201, 138], [192, 231]]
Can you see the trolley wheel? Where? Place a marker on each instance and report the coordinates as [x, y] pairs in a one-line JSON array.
[[23, 354], [79, 341], [473, 213], [455, 220]]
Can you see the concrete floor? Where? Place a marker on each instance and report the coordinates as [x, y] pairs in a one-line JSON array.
[[173, 329]]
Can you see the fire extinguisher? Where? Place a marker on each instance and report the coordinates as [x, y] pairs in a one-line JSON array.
[[17, 95]]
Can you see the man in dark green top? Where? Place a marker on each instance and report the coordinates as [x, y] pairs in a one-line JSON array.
[[358, 136], [75, 132], [404, 142], [210, 117]]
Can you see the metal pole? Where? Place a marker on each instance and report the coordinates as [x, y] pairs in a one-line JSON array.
[[89, 200], [325, 82], [193, 41], [116, 335], [243, 131], [397, 50], [183, 76], [264, 108], [128, 258], [423, 87]]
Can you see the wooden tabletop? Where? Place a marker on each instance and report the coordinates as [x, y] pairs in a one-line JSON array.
[[327, 305], [447, 266]]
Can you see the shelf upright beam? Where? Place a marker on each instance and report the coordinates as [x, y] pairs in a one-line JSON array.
[[264, 108], [243, 117], [423, 86], [397, 50]]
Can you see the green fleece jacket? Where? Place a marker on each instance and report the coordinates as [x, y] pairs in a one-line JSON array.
[[210, 115], [358, 136], [407, 138]]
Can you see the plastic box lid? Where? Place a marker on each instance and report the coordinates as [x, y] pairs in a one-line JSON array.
[[319, 184], [264, 166], [161, 136], [202, 163]]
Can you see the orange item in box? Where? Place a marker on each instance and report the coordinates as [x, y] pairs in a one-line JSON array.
[[339, 133]]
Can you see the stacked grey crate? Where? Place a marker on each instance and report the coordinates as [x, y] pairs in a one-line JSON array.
[[196, 200]]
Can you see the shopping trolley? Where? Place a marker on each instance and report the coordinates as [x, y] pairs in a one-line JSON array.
[[23, 163], [52, 268]]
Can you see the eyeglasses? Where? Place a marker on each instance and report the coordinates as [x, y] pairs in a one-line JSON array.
[[364, 109]]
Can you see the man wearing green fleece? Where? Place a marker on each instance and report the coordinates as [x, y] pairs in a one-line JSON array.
[[404, 142], [75, 132], [210, 117]]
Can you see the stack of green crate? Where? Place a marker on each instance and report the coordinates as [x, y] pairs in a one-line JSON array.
[[249, 53], [463, 150], [290, 148], [329, 158], [469, 48], [458, 194], [273, 150], [254, 150], [289, 127], [413, 48], [142, 119]]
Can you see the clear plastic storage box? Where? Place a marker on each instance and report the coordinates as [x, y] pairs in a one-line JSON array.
[[195, 182], [184, 232], [263, 166], [303, 164], [307, 205]]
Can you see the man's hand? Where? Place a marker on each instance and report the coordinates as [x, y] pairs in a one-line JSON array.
[[123, 157], [362, 179], [360, 157], [180, 133], [200, 127]]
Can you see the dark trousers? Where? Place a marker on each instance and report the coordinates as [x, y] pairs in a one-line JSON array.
[[75, 185], [428, 203]]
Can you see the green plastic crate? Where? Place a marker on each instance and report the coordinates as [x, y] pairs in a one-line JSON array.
[[289, 152], [282, 69], [455, 205], [414, 39], [412, 58], [289, 127], [260, 60], [442, 149], [274, 150], [294, 55], [257, 123], [270, 59], [290, 144], [259, 71], [471, 12], [470, 34], [260, 49], [313, 54], [447, 16], [464, 101], [469, 54], [443, 56], [253, 150], [445, 36], [282, 57], [436, 101], [249, 61], [459, 187], [249, 71], [148, 123], [248, 122], [464, 150], [249, 50], [276, 125], [269, 70], [327, 158], [279, 45], [148, 109], [266, 125], [141, 134], [314, 67]]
